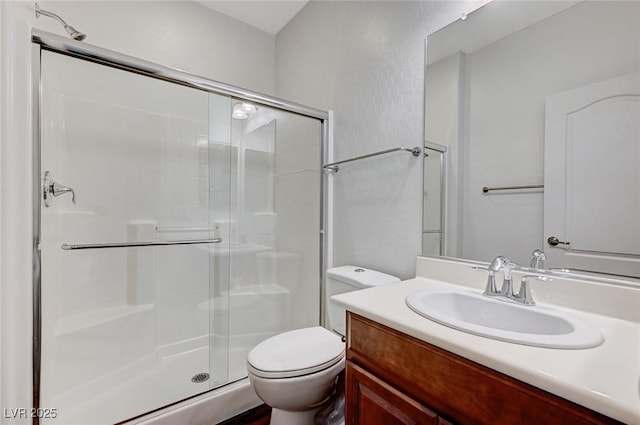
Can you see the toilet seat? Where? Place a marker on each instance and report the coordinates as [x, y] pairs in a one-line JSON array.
[[296, 353]]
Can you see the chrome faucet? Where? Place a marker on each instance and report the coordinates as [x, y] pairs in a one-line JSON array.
[[506, 290], [507, 284], [538, 258], [498, 263]]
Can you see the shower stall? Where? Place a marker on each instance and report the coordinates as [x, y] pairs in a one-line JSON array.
[[178, 222]]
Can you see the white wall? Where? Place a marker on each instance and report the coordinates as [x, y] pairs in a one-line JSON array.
[[15, 213], [365, 61], [176, 34]]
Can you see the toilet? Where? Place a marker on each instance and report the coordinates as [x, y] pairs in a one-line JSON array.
[[295, 372]]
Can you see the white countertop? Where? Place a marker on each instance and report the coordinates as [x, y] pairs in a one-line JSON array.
[[604, 378]]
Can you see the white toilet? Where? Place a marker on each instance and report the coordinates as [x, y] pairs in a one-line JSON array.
[[296, 371]]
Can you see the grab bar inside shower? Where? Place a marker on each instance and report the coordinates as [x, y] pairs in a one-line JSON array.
[[333, 166], [70, 247]]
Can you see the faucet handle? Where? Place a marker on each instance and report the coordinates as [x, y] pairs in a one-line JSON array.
[[490, 289], [56, 189], [524, 294], [52, 189], [538, 257]]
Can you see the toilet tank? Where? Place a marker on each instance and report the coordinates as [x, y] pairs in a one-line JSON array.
[[346, 279]]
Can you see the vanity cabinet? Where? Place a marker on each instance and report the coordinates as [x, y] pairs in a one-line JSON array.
[[392, 378]]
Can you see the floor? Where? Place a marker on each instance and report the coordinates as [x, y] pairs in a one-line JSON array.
[[260, 415]]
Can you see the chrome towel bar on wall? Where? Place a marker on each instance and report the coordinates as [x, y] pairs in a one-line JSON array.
[[333, 166], [533, 186], [70, 247]]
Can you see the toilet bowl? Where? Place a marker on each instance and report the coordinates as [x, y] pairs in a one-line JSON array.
[[295, 372]]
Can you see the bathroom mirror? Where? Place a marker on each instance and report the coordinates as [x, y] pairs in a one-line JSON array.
[[538, 103]]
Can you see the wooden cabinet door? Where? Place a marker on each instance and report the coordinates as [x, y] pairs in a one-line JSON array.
[[371, 401]]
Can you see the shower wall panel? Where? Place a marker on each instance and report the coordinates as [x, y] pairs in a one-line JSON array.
[[121, 331]]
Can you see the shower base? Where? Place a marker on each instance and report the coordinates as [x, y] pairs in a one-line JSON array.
[[149, 384]]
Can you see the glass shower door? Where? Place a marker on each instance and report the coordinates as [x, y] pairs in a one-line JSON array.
[[133, 278], [275, 237]]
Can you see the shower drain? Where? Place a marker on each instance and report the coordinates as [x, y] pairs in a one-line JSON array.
[[200, 377]]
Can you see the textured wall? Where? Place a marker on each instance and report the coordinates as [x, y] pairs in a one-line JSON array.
[[365, 61]]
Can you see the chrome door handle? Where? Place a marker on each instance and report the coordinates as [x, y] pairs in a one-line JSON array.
[[553, 241], [51, 188]]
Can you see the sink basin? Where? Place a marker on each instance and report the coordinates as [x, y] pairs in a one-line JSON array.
[[472, 312]]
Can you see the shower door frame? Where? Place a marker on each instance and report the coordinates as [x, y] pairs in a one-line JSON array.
[[42, 40], [443, 194]]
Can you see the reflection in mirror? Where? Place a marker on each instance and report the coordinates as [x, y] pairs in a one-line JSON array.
[[542, 94], [433, 200]]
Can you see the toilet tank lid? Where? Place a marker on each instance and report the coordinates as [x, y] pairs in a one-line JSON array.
[[360, 277]]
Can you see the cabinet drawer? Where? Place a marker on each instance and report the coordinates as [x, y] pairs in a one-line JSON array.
[[459, 389]]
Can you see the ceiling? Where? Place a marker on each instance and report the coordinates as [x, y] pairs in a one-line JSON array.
[[267, 15]]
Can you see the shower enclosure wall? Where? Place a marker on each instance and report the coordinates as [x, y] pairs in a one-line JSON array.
[[178, 224]]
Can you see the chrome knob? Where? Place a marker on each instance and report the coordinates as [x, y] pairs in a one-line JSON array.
[[55, 189]]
